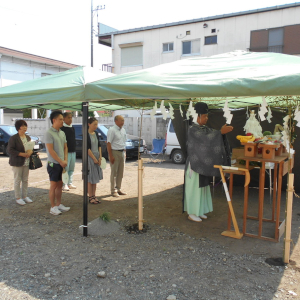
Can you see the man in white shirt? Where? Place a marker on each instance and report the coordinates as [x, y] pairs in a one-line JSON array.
[[116, 147]]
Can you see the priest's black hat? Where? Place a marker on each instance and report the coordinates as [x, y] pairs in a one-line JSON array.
[[201, 108]]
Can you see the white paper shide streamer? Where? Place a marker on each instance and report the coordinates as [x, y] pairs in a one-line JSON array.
[[171, 111], [191, 112], [247, 112], [153, 111], [269, 116], [163, 110], [227, 114], [180, 109], [297, 116], [263, 109], [286, 133]]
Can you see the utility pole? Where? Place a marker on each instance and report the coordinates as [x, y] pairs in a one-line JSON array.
[[92, 28]]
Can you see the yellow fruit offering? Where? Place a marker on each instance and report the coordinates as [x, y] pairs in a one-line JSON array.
[[245, 138]]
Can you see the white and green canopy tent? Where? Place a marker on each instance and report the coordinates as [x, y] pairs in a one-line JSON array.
[[65, 90], [240, 77]]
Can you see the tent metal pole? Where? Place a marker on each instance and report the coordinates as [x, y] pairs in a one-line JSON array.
[[85, 112], [92, 37]]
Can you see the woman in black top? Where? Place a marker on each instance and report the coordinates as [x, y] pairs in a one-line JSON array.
[[19, 160]]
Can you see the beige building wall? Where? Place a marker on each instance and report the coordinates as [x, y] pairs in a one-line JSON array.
[[233, 33]]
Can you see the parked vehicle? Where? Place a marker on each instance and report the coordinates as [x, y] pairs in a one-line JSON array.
[[132, 143], [6, 131], [173, 148]]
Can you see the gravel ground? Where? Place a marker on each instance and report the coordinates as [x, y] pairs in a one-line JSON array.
[[45, 257]]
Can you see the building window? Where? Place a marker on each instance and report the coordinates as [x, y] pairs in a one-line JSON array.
[[132, 56], [188, 33], [213, 30], [270, 40], [191, 47], [209, 40], [168, 47], [45, 74], [275, 40]]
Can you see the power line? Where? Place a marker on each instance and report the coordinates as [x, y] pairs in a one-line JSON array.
[[22, 12]]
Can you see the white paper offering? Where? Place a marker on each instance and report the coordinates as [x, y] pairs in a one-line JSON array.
[[65, 176], [262, 115], [29, 146], [229, 118]]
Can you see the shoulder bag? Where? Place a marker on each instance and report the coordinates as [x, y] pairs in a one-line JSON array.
[[35, 162]]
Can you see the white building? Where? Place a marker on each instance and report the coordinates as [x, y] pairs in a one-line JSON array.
[[272, 29], [17, 66]]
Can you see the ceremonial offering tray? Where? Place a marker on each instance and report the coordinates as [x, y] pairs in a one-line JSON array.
[[250, 149], [268, 150]]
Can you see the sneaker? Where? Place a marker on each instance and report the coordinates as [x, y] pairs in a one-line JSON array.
[[21, 202], [71, 186], [203, 217], [115, 194], [28, 200], [194, 218], [61, 207], [65, 188], [55, 211]]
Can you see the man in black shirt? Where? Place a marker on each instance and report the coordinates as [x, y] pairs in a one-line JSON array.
[[69, 131]]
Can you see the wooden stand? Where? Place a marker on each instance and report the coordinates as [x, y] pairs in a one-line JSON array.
[[250, 149], [278, 161], [268, 151], [241, 171], [229, 233]]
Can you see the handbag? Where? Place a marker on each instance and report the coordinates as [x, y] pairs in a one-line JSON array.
[[35, 162]]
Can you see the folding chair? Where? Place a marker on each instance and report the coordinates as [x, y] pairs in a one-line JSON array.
[[158, 150]]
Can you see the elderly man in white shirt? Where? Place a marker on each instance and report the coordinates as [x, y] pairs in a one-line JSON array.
[[116, 147]]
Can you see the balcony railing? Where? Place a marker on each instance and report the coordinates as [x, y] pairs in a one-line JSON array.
[[107, 68], [275, 49]]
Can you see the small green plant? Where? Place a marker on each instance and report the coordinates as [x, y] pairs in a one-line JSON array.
[[105, 217]]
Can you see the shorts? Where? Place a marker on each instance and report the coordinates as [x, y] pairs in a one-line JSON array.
[[54, 171]]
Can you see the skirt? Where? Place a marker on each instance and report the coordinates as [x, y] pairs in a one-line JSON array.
[[197, 200], [95, 172]]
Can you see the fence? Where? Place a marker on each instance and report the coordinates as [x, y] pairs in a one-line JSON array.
[[150, 128]]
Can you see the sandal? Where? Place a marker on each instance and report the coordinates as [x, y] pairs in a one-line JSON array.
[[97, 199], [93, 200]]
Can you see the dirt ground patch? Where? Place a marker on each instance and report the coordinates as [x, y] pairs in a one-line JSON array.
[[45, 257]]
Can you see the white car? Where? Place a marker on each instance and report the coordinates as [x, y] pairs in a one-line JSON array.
[[173, 148]]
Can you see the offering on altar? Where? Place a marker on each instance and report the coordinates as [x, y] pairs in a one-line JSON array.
[[268, 150], [252, 126], [273, 139], [269, 145], [245, 138]]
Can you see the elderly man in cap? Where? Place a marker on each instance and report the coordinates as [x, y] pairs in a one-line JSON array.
[[206, 147]]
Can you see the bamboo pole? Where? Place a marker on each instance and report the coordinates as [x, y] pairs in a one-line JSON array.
[[288, 219], [289, 200], [140, 193]]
